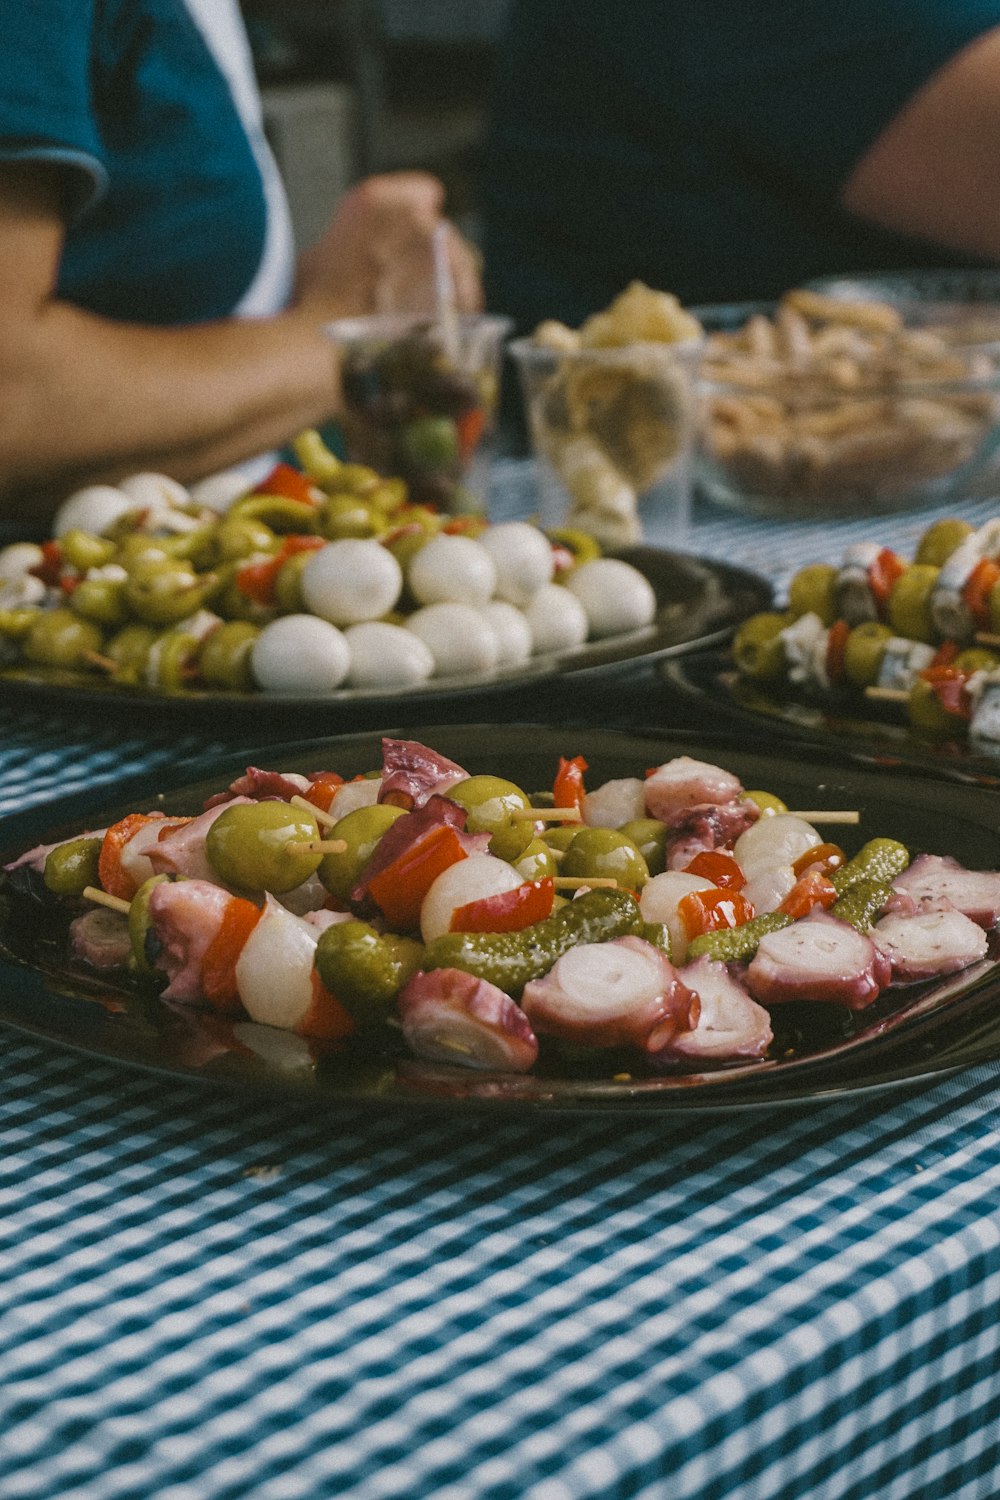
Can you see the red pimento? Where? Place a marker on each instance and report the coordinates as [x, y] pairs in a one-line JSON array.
[[291, 483], [708, 911], [883, 575], [469, 429], [49, 570], [948, 686], [400, 888], [257, 580], [821, 857], [110, 872], [568, 789], [836, 650], [508, 912], [976, 591], [718, 867], [326, 1018], [325, 786], [218, 966], [814, 889]]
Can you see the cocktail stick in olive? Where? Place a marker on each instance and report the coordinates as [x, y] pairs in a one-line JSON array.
[[83, 550], [224, 661], [863, 652], [258, 846], [757, 649], [360, 831], [940, 540], [162, 592], [925, 712], [813, 590], [139, 927], [491, 802], [345, 515], [101, 600], [130, 648], [60, 638], [649, 836], [242, 536], [605, 853]]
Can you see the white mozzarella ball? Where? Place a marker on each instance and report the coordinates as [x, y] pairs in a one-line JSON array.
[[512, 631], [452, 569], [471, 879], [386, 656], [300, 654], [154, 490], [351, 580], [615, 596], [461, 641], [93, 508], [16, 559], [556, 618], [658, 902], [523, 558]]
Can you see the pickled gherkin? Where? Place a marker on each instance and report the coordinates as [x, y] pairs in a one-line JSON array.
[[737, 944], [862, 902], [366, 969], [879, 860], [510, 960]]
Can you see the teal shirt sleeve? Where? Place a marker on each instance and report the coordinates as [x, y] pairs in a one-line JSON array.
[[46, 109]]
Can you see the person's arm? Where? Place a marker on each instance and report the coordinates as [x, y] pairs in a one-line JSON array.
[[82, 397], [934, 171]]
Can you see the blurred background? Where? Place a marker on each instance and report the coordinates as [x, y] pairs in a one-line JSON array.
[[352, 87]]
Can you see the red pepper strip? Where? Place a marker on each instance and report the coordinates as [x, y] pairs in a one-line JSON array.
[[400, 888], [508, 912], [218, 966], [469, 429], [948, 684], [944, 655], [976, 591], [292, 483], [326, 1018], [836, 650], [814, 889], [721, 869], [708, 911], [50, 567], [568, 788], [257, 580], [883, 574], [325, 786], [109, 863], [821, 857]]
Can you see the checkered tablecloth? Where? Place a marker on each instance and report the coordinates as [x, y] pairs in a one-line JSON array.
[[209, 1297]]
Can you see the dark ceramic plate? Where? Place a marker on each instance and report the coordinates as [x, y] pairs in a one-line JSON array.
[[906, 1037], [699, 603], [708, 681]]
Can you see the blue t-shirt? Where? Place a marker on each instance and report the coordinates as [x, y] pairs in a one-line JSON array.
[[697, 144], [175, 212]]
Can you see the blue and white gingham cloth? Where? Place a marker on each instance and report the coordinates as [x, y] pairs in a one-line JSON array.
[[205, 1297]]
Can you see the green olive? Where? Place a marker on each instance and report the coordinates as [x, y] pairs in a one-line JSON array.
[[130, 648], [649, 836], [71, 867], [559, 836], [940, 541], [358, 479], [101, 600], [757, 648], [139, 925], [511, 840], [994, 603], [536, 862], [768, 803], [229, 600], [224, 661], [360, 830], [977, 659], [163, 592], [602, 853], [491, 802], [288, 584], [581, 546], [176, 655], [347, 516], [926, 713], [910, 602], [15, 623], [366, 969], [241, 536], [387, 497], [260, 846], [199, 546], [813, 590], [60, 638], [135, 547], [83, 550], [864, 651]]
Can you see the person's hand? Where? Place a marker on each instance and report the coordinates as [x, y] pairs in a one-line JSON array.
[[377, 254]]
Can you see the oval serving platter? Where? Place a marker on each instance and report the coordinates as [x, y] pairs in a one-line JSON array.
[[906, 1037]]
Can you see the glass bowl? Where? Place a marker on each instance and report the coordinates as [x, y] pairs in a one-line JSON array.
[[852, 396], [420, 400], [611, 430]]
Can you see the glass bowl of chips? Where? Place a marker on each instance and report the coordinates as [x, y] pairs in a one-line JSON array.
[[852, 397], [610, 409]]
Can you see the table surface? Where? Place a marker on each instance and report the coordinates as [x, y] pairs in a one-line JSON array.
[[207, 1297]]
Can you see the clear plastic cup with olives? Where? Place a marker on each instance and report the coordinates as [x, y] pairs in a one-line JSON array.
[[420, 402]]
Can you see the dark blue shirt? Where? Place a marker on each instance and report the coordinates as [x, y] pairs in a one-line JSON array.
[[697, 144], [168, 217]]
